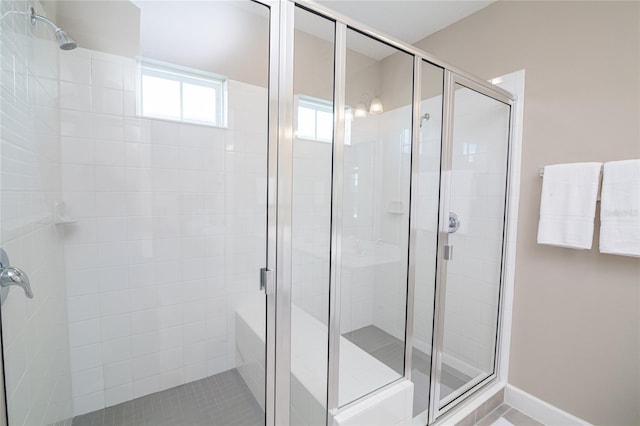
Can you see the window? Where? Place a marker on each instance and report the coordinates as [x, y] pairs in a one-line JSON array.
[[315, 120], [178, 93]]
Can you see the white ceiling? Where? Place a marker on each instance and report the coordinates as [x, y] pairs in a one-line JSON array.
[[406, 20]]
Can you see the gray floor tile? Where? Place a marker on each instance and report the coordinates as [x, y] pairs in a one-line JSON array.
[[220, 400], [494, 415], [390, 351], [518, 418]]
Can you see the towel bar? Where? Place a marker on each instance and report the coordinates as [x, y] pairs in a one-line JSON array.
[[541, 174]]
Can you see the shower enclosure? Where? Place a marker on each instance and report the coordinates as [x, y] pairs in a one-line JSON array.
[[242, 212]]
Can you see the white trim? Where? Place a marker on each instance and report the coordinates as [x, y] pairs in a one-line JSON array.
[[513, 82], [464, 409], [538, 409]]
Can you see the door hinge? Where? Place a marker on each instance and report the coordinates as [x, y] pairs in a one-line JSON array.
[[266, 280]]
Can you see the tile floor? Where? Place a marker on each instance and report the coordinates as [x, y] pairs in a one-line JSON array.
[[390, 351], [225, 399], [220, 400], [505, 415]]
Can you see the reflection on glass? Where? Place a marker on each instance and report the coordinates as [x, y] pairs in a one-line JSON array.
[[477, 197], [426, 231], [375, 217], [311, 217]]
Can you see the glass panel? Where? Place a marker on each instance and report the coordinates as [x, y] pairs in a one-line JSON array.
[[375, 218], [160, 97], [198, 103], [142, 237], [427, 231], [477, 199], [311, 217]]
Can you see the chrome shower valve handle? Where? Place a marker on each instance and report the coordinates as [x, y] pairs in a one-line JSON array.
[[10, 275]]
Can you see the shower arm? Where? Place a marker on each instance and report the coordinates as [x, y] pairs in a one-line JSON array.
[[35, 18]]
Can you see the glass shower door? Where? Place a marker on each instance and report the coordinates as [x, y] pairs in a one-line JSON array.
[[472, 228], [136, 185]]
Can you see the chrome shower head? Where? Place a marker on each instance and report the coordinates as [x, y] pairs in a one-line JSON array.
[[65, 41]]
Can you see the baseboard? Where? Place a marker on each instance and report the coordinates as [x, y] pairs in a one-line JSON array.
[[538, 409]]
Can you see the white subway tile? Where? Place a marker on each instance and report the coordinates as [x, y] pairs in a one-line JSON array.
[[82, 282], [117, 326], [119, 394], [109, 153], [145, 344], [78, 178], [146, 386], [107, 126], [106, 73], [86, 357], [82, 308], [144, 321], [117, 374], [195, 371], [75, 124], [80, 256], [111, 229], [170, 316], [80, 204], [84, 332], [75, 69], [143, 298], [110, 178], [170, 379], [114, 303], [76, 151], [195, 353], [145, 366], [116, 350], [171, 359], [170, 338], [87, 381], [106, 101], [217, 365], [110, 204], [194, 332], [141, 275], [75, 96], [88, 403], [112, 278]]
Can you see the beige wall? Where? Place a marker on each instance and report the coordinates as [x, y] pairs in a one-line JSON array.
[[576, 329]]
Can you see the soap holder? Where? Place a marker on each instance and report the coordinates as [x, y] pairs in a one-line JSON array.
[[60, 214]]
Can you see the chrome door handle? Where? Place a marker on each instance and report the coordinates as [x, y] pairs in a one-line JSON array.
[[454, 222], [10, 275]]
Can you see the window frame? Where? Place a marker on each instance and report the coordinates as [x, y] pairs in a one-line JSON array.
[[323, 105], [181, 74]]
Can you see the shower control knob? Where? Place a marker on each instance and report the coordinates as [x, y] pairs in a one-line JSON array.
[[454, 222], [10, 275]]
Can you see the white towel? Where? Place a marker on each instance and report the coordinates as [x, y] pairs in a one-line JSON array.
[[620, 208], [568, 205]]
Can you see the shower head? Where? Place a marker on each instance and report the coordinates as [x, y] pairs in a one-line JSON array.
[[424, 117], [65, 41]]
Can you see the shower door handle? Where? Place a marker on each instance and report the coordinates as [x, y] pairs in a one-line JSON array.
[[448, 252], [10, 275]]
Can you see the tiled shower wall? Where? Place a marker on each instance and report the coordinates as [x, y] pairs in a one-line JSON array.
[[35, 341], [170, 232]]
